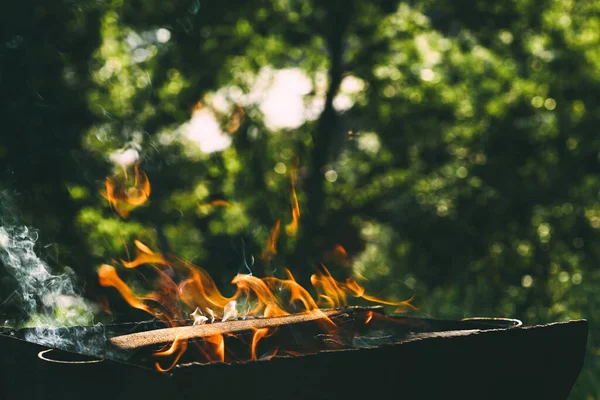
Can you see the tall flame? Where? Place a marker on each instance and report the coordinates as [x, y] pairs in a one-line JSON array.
[[292, 227], [271, 245]]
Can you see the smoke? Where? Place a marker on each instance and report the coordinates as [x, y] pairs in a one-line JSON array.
[[48, 300]]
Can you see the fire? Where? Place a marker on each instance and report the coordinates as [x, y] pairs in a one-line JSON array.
[[124, 193], [271, 246], [258, 335], [219, 202], [193, 298], [292, 227], [108, 277], [178, 347], [218, 347], [339, 255], [334, 293]]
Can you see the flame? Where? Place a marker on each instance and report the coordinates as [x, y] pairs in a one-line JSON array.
[[258, 335], [271, 245], [144, 256], [292, 227], [178, 347], [195, 295], [339, 249], [109, 277], [359, 291], [339, 255], [296, 291], [219, 202], [254, 296], [205, 208], [218, 347], [329, 292], [165, 309], [334, 293], [201, 291], [125, 194]]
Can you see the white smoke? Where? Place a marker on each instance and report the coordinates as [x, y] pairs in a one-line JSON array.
[[49, 300]]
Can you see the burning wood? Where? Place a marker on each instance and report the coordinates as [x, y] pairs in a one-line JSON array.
[[296, 334], [274, 302], [168, 335]]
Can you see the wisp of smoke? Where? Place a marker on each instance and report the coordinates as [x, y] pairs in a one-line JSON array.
[[49, 300]]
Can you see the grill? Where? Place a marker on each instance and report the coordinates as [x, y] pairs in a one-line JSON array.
[[398, 357]]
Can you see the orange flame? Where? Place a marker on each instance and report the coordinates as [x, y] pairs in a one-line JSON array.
[[329, 292], [123, 194], [206, 207], [339, 255], [296, 291], [271, 245], [218, 343], [333, 293], [339, 249], [258, 335], [197, 295], [219, 202], [144, 256], [266, 297], [292, 227], [108, 277], [178, 347]]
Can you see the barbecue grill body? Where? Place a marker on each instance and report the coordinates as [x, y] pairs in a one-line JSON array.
[[468, 362]]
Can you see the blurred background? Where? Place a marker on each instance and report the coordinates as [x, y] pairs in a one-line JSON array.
[[446, 150]]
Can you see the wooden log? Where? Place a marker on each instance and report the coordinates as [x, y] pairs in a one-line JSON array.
[[161, 337]]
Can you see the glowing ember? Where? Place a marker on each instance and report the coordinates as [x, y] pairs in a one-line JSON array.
[[195, 294]]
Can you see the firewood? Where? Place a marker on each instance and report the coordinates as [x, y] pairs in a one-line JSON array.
[[198, 332]]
